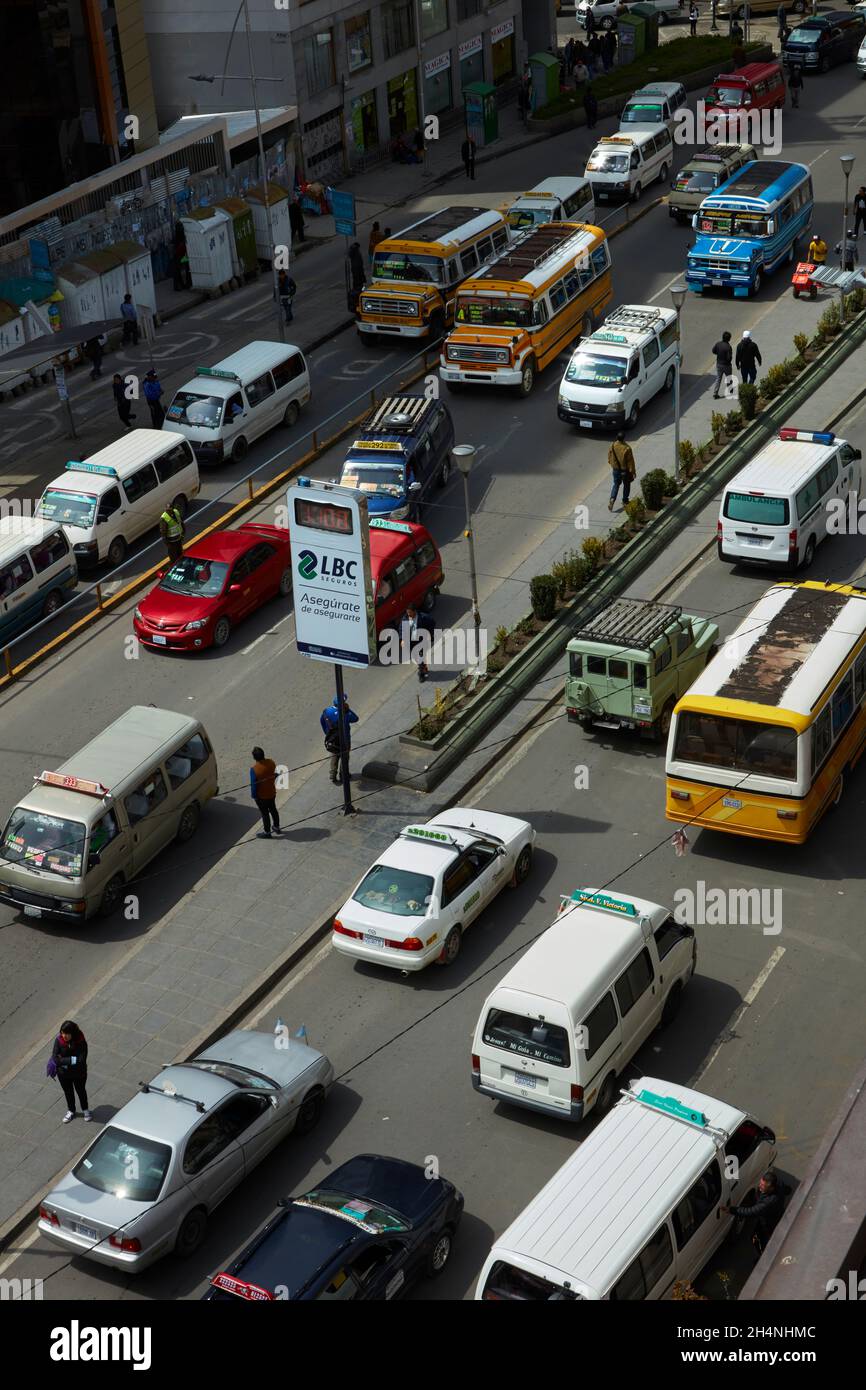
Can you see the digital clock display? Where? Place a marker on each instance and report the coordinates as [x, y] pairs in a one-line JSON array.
[[324, 516]]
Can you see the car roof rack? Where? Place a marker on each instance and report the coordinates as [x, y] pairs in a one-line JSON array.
[[630, 622], [147, 1088], [628, 317], [398, 414]]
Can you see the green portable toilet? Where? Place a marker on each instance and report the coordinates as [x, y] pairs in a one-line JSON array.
[[630, 37], [480, 112], [544, 69], [651, 15], [244, 231]]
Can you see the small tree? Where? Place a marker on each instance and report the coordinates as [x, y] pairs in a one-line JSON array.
[[542, 596], [828, 323], [579, 569], [635, 511], [687, 456], [501, 638], [717, 425], [593, 552], [559, 572], [734, 421], [748, 400], [652, 485], [671, 485], [801, 342]]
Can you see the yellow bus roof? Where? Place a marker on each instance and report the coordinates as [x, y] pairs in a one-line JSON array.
[[442, 233], [530, 264]]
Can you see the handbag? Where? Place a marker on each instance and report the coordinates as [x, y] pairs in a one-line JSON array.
[[51, 1068]]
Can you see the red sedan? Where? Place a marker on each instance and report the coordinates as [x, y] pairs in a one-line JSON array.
[[214, 585]]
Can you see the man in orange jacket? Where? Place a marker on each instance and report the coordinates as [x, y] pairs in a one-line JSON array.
[[263, 789]]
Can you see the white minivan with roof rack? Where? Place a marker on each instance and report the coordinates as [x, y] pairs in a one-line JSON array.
[[639, 1206], [621, 166], [655, 104], [107, 501], [558, 1029], [779, 508], [615, 372], [38, 571], [224, 408], [552, 200]]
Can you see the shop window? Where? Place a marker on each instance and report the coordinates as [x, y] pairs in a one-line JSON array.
[[359, 42], [319, 61]]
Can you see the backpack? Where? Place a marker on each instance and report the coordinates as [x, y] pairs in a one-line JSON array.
[[332, 740]]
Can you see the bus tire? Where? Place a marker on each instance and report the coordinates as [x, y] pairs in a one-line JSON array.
[[527, 377], [239, 449], [663, 171], [808, 553], [756, 283], [116, 552]]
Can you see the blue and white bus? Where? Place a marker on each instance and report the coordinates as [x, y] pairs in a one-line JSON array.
[[750, 226]]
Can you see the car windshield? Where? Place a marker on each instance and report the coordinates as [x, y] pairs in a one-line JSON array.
[[521, 218], [373, 477], [739, 745], [769, 511], [494, 313], [126, 1165], [197, 578], [230, 1071], [726, 96], [355, 1209], [603, 163], [44, 842], [69, 508], [190, 408], [596, 369], [396, 891], [809, 37], [527, 1037], [642, 113], [696, 181], [397, 265]]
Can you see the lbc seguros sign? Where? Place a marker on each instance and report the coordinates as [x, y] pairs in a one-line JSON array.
[[334, 612]]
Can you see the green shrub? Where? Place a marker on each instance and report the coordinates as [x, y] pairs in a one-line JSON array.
[[579, 569], [688, 456], [778, 375], [748, 400], [801, 342], [652, 485], [559, 573], [526, 626], [542, 596], [790, 368], [671, 485], [501, 636], [734, 421], [828, 323], [855, 300], [635, 511], [717, 425], [767, 388], [593, 552]]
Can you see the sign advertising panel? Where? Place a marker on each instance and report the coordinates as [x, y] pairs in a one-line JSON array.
[[334, 611]]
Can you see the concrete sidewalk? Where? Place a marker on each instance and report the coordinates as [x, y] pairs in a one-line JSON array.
[[225, 944]]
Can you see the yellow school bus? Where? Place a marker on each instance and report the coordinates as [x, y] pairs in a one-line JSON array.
[[518, 315], [762, 742], [415, 275]]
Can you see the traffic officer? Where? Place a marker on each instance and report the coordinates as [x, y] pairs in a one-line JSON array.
[[172, 530]]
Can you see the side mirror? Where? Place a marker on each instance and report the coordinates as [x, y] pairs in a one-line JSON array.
[[694, 221], [93, 858], [101, 519], [414, 487], [856, 454]]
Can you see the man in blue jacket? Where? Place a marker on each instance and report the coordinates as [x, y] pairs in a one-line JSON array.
[[330, 722]]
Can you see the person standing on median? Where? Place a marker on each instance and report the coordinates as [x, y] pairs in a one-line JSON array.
[[723, 353], [122, 401], [694, 16], [467, 154], [172, 530], [621, 463], [69, 1064], [263, 790], [859, 209], [152, 392], [375, 238], [590, 106], [748, 358], [330, 722]]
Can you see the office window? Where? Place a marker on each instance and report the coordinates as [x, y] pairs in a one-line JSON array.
[[467, 8], [359, 42], [434, 17], [319, 61], [398, 26]]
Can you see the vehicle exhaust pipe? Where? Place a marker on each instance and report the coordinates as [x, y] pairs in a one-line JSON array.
[[405, 974]]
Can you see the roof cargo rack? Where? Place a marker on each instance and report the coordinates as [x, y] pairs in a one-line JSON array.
[[630, 622], [632, 316], [398, 415]]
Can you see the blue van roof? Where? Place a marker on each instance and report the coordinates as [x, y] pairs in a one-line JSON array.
[[758, 183]]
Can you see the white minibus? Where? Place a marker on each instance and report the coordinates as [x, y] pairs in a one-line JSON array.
[[37, 572], [621, 166], [552, 200]]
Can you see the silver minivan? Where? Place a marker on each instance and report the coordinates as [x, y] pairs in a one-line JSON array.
[[655, 104], [83, 832]]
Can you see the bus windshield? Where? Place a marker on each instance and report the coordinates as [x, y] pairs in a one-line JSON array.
[[725, 222], [605, 162], [494, 313], [189, 408], [803, 35], [643, 113], [521, 218], [388, 480], [596, 369], [738, 745], [397, 265]]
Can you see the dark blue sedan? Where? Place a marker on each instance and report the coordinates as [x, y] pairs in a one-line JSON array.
[[371, 1229]]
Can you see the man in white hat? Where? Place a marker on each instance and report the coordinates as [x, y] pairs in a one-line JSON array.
[[748, 357]]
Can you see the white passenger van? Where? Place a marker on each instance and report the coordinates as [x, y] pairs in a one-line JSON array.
[[222, 409], [121, 491], [37, 572], [616, 371], [552, 200], [777, 509], [655, 104], [621, 166], [638, 1206], [560, 1026], [83, 832]]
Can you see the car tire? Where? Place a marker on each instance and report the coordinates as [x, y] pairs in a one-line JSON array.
[[188, 823], [367, 339], [523, 866], [285, 584], [191, 1233], [52, 603], [663, 174], [796, 293], [638, 189], [825, 65], [808, 553], [672, 1004], [451, 948], [662, 726], [310, 1112], [439, 1254], [527, 377], [239, 449], [606, 1095], [117, 552], [180, 504], [428, 602], [633, 416], [670, 377], [444, 473], [291, 413], [111, 896], [222, 631]]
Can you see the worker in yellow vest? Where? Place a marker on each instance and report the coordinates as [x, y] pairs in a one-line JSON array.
[[172, 530], [817, 249]]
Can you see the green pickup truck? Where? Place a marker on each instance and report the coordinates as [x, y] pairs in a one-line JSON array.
[[630, 664]]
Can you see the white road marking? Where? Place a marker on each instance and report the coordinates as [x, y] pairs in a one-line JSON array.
[[673, 280], [271, 1003], [271, 632], [20, 1246], [248, 308], [813, 162], [750, 998]]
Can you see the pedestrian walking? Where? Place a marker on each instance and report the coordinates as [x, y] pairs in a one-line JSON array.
[[330, 722], [523, 102], [589, 21], [847, 249], [152, 393], [859, 209], [263, 790], [723, 353], [795, 84], [375, 237], [421, 628], [568, 55], [736, 32], [767, 1210], [595, 61], [92, 350], [172, 530], [129, 314], [694, 16], [748, 357], [356, 265], [622, 467], [817, 252], [68, 1064], [286, 290], [590, 106], [122, 401], [608, 49], [781, 21], [296, 219], [467, 154], [418, 145]]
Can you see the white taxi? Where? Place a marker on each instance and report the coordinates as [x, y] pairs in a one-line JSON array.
[[412, 907]]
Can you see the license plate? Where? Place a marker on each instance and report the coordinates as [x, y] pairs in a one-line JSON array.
[[159, 641], [87, 1231], [371, 939], [33, 912], [732, 802], [755, 540], [528, 1082], [717, 282], [586, 424]]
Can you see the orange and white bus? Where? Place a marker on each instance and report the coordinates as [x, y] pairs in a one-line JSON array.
[[761, 744], [415, 275], [524, 309]]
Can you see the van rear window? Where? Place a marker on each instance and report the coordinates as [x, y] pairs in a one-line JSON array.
[[527, 1037], [508, 1282], [760, 511]]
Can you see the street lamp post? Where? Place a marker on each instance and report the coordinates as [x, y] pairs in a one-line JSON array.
[[464, 456], [847, 162], [678, 295]]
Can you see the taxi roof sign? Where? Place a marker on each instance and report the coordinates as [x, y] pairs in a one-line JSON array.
[[72, 784], [587, 898], [425, 832], [380, 523], [669, 1105], [603, 337], [78, 467], [217, 372], [392, 446]]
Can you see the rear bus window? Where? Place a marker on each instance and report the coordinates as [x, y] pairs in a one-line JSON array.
[[527, 1037], [48, 552]]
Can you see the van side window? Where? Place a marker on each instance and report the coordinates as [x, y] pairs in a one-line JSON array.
[[49, 551], [600, 259], [699, 1202], [173, 462], [403, 572], [103, 832], [139, 484], [109, 503], [634, 982], [617, 670], [668, 336], [860, 678], [663, 660], [646, 1269], [650, 352], [557, 296], [485, 248], [145, 798], [424, 556], [596, 666], [234, 407], [667, 936], [828, 475], [572, 284], [807, 498], [14, 576], [287, 371], [744, 1141], [187, 760], [260, 389], [599, 1026], [457, 878], [684, 641]]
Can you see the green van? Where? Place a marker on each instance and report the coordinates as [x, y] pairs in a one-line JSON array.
[[630, 664]]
